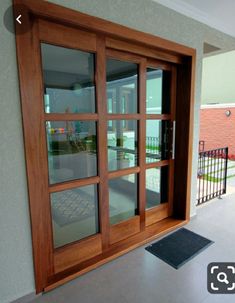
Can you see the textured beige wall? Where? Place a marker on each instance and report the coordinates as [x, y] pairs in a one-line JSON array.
[[16, 269], [218, 78]]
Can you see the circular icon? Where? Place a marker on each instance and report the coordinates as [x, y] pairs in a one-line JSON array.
[[16, 19], [222, 277]]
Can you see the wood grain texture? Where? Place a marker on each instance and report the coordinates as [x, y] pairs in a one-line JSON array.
[[143, 51], [192, 81], [28, 51], [157, 164], [158, 116], [173, 88], [70, 117], [138, 116], [184, 137], [123, 172], [77, 253], [73, 18], [124, 56], [124, 229], [118, 249], [142, 142], [63, 36], [157, 214], [123, 116], [158, 64], [73, 184], [171, 187], [102, 141]]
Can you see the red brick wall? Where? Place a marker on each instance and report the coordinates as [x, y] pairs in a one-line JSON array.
[[216, 129]]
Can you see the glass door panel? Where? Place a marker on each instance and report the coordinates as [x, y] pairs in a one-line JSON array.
[[74, 214], [68, 75], [157, 91], [121, 83], [72, 151], [122, 144], [69, 92], [122, 88], [154, 91], [156, 186], [157, 140], [123, 198]]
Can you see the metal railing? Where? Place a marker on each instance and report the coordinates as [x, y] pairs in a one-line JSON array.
[[153, 149], [152, 145], [212, 174]]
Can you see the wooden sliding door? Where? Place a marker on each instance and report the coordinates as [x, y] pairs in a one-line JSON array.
[[107, 123], [99, 124], [140, 115]]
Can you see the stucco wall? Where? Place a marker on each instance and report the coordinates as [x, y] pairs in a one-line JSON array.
[[218, 76], [16, 269]]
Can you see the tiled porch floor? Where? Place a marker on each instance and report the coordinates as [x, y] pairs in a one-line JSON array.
[[139, 277]]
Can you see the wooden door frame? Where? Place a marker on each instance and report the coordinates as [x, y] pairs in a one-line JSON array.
[[120, 38]]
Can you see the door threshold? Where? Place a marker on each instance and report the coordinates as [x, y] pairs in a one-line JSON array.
[[151, 233]]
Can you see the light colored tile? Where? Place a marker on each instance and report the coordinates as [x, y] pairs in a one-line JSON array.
[[219, 299], [139, 276]]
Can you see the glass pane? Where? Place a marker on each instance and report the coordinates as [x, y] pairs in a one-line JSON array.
[[122, 144], [122, 198], [68, 80], [122, 79], [74, 214], [157, 91], [156, 186], [156, 140], [71, 150]]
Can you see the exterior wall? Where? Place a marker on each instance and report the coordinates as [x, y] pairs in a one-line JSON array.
[[216, 129], [16, 267], [218, 74]]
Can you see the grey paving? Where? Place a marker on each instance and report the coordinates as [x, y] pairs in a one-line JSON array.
[[139, 276]]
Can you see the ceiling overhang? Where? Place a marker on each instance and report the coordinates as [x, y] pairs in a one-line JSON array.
[[208, 18]]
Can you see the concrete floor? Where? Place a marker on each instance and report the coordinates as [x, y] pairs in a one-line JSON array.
[[139, 276]]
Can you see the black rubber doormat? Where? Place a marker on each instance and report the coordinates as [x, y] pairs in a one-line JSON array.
[[179, 247]]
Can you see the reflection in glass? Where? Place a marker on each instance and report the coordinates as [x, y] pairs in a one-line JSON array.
[[68, 80], [158, 91], [154, 91], [122, 198], [71, 150], [156, 140], [156, 186], [74, 214], [122, 78], [122, 144]]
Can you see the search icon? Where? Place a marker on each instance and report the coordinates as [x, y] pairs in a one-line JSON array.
[[222, 277]]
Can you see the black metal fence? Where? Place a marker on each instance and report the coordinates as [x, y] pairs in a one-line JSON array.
[[152, 145], [153, 149], [212, 174]]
